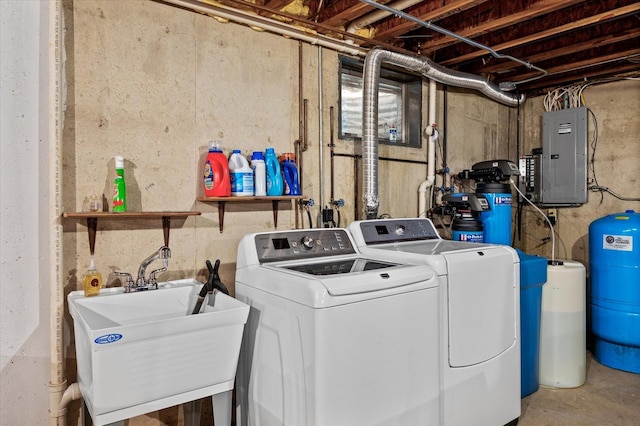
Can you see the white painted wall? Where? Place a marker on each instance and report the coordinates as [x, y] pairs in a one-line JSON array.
[[24, 297]]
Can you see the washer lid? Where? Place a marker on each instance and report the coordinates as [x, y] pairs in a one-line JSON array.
[[343, 266], [326, 290], [359, 275]]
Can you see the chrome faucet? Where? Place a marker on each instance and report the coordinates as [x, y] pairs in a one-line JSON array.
[[164, 254]]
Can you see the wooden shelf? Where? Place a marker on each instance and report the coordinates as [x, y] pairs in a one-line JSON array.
[[92, 220], [222, 201], [128, 215]]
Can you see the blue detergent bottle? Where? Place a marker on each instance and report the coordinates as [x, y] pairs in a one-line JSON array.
[[274, 175], [290, 173]]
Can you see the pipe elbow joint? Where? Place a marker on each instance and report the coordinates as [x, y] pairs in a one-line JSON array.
[[426, 184]]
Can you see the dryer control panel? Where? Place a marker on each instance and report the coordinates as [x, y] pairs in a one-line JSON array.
[[396, 230], [302, 244]]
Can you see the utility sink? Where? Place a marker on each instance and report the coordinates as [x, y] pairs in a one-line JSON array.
[[140, 352]]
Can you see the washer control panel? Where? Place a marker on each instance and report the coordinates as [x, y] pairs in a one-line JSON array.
[[301, 244], [396, 230]]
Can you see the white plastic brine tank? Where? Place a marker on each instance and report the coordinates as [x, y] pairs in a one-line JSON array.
[[563, 353]]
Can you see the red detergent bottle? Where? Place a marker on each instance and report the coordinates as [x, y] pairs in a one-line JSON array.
[[216, 178]]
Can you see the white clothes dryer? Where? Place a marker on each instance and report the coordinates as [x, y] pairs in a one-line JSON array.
[[331, 335], [479, 315]]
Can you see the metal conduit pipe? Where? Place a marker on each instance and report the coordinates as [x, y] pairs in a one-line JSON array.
[[371, 79], [320, 137], [298, 143]]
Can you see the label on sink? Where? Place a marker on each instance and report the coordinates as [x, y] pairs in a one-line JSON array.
[[108, 338]]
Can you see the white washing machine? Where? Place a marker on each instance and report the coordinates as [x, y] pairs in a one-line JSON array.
[[479, 315], [331, 337]]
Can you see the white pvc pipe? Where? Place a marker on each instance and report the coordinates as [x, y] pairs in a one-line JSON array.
[[58, 382], [431, 159]]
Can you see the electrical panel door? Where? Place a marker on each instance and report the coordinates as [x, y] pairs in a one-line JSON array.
[[564, 158]]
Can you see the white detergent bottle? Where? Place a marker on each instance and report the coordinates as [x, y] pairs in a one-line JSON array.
[[259, 174], [241, 175]]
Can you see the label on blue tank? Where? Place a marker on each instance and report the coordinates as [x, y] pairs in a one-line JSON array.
[[617, 242], [502, 199], [472, 237]]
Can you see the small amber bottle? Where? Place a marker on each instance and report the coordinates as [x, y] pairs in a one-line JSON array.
[[91, 281]]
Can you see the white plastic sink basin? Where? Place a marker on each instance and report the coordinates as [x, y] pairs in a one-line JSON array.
[[145, 349]]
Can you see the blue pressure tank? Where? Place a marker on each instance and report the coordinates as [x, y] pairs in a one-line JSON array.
[[497, 221], [614, 264]]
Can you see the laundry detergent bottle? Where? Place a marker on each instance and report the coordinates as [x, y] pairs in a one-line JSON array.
[[259, 174], [274, 175], [216, 179], [290, 174], [241, 175]]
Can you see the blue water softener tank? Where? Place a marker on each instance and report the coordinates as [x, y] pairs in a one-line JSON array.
[[497, 221], [466, 225], [533, 275], [614, 263]]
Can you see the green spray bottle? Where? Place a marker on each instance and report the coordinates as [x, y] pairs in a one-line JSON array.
[[119, 187]]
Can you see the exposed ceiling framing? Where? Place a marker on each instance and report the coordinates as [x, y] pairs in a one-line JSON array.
[[573, 40]]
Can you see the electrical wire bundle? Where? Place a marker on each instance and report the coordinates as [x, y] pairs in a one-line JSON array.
[[563, 97]]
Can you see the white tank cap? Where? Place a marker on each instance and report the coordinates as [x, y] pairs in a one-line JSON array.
[[119, 162]]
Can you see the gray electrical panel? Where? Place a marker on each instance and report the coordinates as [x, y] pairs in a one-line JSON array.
[[562, 179]]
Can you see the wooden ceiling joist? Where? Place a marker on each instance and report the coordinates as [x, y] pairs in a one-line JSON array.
[[573, 66], [564, 51], [572, 39], [602, 17], [536, 10]]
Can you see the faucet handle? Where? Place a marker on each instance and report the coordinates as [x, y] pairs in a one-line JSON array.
[[129, 284], [152, 276]]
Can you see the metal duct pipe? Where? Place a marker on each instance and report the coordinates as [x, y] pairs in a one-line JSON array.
[[429, 69]]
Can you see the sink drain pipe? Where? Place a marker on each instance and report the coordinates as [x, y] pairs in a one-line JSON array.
[[60, 394]]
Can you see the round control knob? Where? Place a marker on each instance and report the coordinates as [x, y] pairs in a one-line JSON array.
[[400, 230], [307, 242]]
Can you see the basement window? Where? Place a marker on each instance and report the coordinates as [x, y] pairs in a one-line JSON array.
[[399, 105]]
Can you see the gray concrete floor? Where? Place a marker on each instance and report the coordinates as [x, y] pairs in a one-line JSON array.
[[608, 398]]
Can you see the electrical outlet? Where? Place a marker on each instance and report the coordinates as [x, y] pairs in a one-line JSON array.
[[552, 214], [327, 218]]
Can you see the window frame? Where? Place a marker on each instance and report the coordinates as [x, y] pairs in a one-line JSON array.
[[410, 87]]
